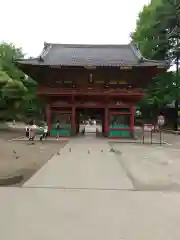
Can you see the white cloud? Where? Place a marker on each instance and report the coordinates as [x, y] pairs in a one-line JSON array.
[[29, 23]]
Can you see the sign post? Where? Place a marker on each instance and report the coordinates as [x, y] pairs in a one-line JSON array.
[[160, 122]]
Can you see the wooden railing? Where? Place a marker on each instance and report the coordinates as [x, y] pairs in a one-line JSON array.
[[92, 104], [93, 91]]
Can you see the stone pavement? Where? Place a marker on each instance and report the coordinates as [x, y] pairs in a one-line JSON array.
[[43, 214], [83, 163], [79, 195]]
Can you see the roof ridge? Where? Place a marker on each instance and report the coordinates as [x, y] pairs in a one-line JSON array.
[[88, 45]]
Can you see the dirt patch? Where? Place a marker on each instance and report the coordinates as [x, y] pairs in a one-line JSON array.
[[21, 159], [11, 134]]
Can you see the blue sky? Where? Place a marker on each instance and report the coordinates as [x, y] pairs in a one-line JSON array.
[[29, 23]]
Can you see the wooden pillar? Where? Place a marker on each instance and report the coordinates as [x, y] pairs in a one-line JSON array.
[[73, 121], [106, 124], [48, 116], [132, 119]]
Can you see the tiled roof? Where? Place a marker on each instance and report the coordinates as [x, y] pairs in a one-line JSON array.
[[91, 55]]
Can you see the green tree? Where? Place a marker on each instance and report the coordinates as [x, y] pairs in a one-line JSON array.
[[17, 91], [160, 92], [154, 23], [8, 52]]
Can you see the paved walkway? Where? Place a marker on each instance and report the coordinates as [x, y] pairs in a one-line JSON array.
[[72, 198], [84, 163], [43, 214]]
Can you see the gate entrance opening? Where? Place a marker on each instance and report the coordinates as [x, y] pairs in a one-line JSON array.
[[90, 121]]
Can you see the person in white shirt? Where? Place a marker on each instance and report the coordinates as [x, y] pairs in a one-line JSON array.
[[45, 131], [27, 131], [32, 132], [44, 134]]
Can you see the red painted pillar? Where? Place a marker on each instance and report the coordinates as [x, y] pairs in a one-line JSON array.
[[48, 116], [73, 121], [106, 124], [132, 119]]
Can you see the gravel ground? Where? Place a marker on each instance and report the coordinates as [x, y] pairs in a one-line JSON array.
[[150, 167], [23, 157]]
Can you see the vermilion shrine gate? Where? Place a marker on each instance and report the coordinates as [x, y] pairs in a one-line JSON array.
[[106, 79]]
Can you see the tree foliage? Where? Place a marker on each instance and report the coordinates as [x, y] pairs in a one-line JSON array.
[[161, 91], [155, 22], [17, 91]]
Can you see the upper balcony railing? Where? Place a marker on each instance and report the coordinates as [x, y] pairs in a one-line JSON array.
[[88, 91], [93, 104]]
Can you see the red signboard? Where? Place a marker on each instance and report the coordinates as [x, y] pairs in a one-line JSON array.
[[148, 127]]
